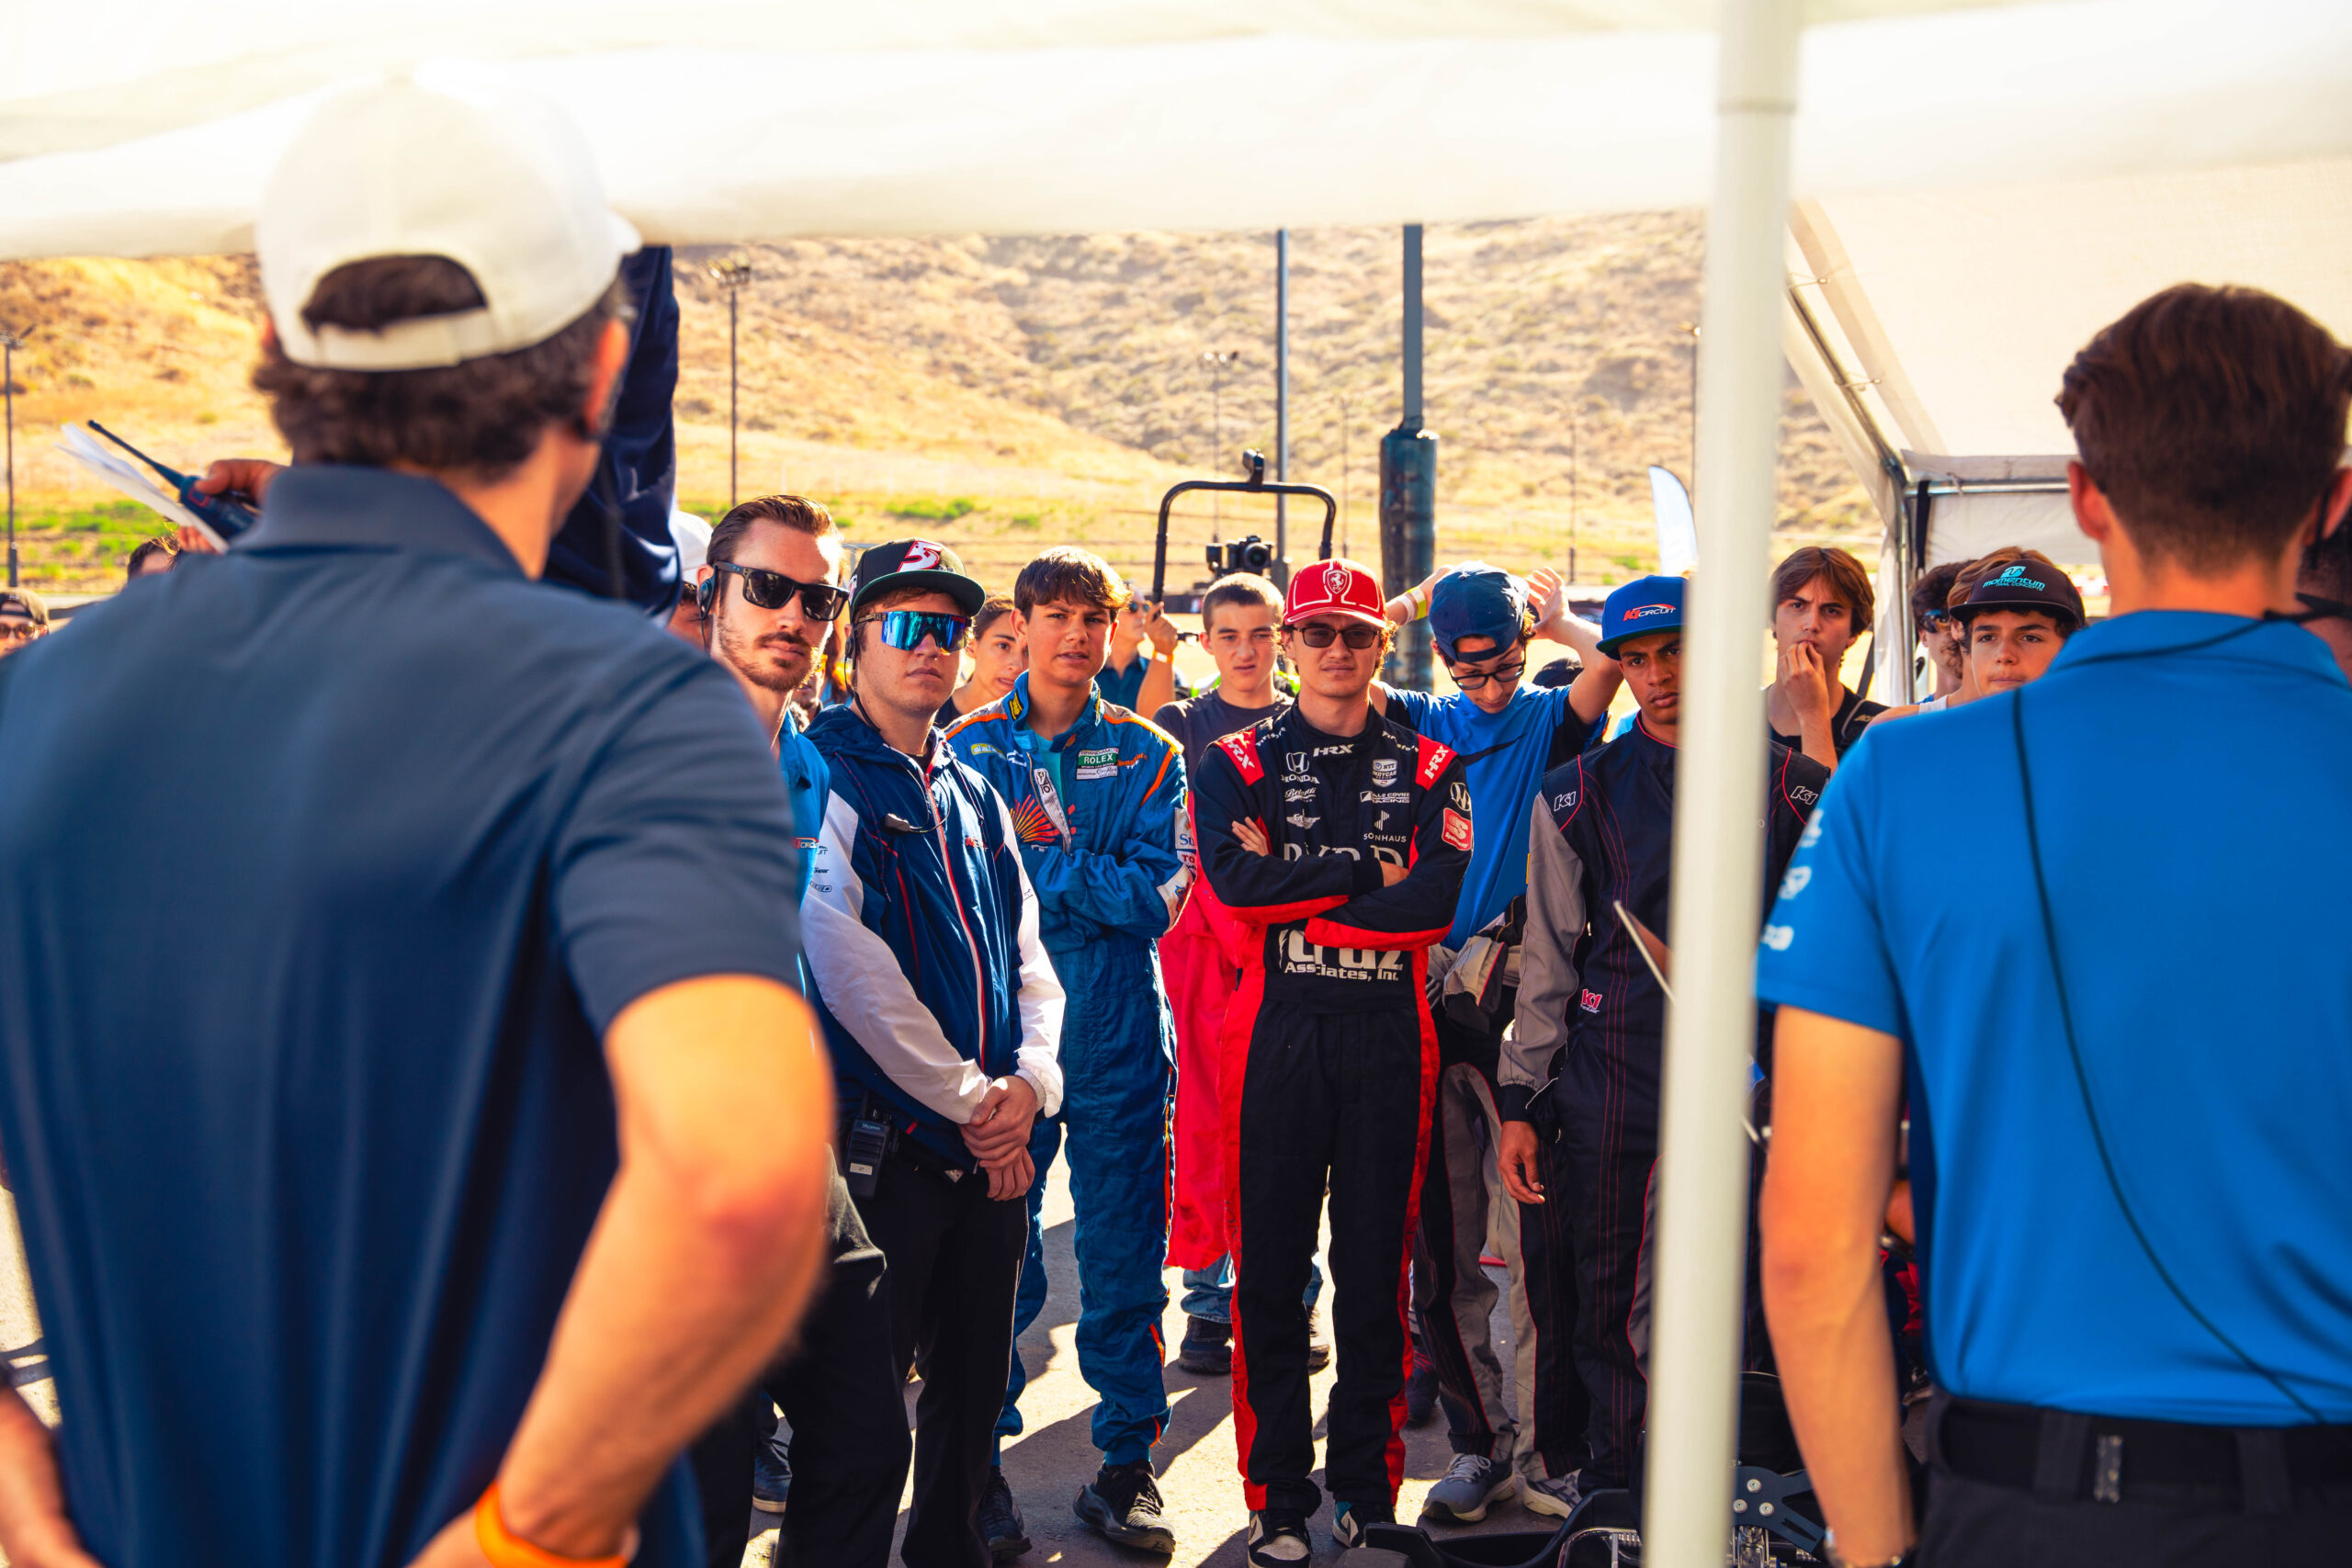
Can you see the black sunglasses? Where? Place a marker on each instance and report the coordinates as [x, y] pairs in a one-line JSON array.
[[774, 591], [1319, 634]]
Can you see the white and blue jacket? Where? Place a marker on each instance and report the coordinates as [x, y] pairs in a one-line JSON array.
[[920, 930]]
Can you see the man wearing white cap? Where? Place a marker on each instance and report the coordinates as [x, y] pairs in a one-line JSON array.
[[436, 1136]]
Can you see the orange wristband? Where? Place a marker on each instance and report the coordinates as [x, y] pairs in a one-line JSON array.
[[508, 1551]]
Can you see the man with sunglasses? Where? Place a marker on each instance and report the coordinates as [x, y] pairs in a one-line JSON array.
[[765, 598], [942, 1015], [24, 619], [1096, 795], [1507, 732], [1339, 840], [1589, 1033]]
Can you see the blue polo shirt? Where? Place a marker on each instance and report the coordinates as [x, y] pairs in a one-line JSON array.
[[2198, 896], [323, 865], [1503, 755], [806, 783]]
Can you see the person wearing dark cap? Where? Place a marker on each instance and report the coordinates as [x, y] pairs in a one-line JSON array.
[[413, 1160], [1589, 1035], [1339, 840], [1484, 621], [2014, 623], [24, 619], [944, 1017]]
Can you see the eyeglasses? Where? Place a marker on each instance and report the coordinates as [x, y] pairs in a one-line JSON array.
[[774, 591], [906, 629], [1471, 680], [1319, 634], [21, 631], [1935, 620]]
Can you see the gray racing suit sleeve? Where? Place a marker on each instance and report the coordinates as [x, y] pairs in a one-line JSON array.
[[1547, 972]]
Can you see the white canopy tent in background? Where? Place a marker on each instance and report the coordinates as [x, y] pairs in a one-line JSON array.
[[1930, 326], [1951, 296]]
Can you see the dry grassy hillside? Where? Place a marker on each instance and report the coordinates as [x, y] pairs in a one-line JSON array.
[[1011, 392]]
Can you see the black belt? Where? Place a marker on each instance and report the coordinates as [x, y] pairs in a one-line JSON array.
[[2109, 1459]]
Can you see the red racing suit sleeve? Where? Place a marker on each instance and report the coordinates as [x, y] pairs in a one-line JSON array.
[[1416, 912], [1262, 889]]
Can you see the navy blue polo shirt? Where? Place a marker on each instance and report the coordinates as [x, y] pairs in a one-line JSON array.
[[323, 865], [2198, 896]]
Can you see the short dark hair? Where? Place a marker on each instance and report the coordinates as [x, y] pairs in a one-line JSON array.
[[1932, 592], [796, 512], [994, 609], [161, 545], [482, 417], [2213, 419], [1066, 574], [1847, 578], [1241, 588]]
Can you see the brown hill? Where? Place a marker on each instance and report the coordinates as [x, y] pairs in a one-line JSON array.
[[1009, 393]]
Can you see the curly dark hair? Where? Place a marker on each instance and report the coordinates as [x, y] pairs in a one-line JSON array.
[[480, 418]]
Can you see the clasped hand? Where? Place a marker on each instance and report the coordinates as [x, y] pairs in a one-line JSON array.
[[997, 1135]]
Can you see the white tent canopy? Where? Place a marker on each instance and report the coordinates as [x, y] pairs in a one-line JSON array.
[[1934, 324], [134, 126]]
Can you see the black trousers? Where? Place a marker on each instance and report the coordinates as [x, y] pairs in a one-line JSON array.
[[955, 1257], [1338, 1101], [1609, 1131], [839, 1383], [1561, 1416], [1974, 1524]]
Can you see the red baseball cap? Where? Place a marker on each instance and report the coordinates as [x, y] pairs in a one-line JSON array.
[[1335, 588]]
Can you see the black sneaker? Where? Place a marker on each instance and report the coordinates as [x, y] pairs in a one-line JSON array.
[[1207, 1347], [1348, 1520], [771, 1478], [1000, 1524], [1318, 1344], [1421, 1391], [1278, 1539], [1122, 1502]]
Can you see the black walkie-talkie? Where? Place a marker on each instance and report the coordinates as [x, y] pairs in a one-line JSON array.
[[862, 1150]]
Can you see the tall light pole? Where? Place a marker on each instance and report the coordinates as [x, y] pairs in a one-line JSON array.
[[1343, 480], [1693, 328], [9, 343], [1219, 361], [731, 274], [1282, 400], [1572, 489]]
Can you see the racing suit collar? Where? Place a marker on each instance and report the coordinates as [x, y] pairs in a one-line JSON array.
[[1016, 708]]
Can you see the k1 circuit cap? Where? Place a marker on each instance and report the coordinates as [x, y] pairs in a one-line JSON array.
[[1334, 587], [914, 563], [1476, 600], [1644, 605], [2025, 585], [455, 162]]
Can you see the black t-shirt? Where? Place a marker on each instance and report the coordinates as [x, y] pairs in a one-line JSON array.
[[1199, 723], [306, 1104], [1854, 715]]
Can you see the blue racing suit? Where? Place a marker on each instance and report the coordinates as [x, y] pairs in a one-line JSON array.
[[1100, 846]]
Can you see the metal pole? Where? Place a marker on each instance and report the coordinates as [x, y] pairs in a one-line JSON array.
[[1217, 360], [1281, 398], [1702, 1157], [731, 465], [1409, 489], [1413, 420], [10, 344], [1343, 480], [1693, 329], [1572, 491]]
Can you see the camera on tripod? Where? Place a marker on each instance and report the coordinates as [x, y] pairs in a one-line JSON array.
[[1248, 553]]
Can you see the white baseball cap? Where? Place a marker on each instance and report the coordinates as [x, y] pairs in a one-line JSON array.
[[451, 161]]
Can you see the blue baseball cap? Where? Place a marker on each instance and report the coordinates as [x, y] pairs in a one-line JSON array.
[[1644, 605], [1476, 600]]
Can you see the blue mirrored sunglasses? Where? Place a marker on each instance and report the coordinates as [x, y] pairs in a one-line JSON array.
[[906, 629]]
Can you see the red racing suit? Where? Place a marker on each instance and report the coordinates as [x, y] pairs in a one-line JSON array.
[[1328, 1072]]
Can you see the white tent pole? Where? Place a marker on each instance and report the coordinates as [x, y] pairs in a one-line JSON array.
[[1719, 790]]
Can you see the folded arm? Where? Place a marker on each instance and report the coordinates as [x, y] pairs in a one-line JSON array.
[[1136, 886], [1416, 911], [1264, 890]]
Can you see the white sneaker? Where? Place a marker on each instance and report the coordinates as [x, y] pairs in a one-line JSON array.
[[1277, 1536], [1554, 1495], [1471, 1485]]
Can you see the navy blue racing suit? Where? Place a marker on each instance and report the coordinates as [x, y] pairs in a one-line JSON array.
[[1602, 834]]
